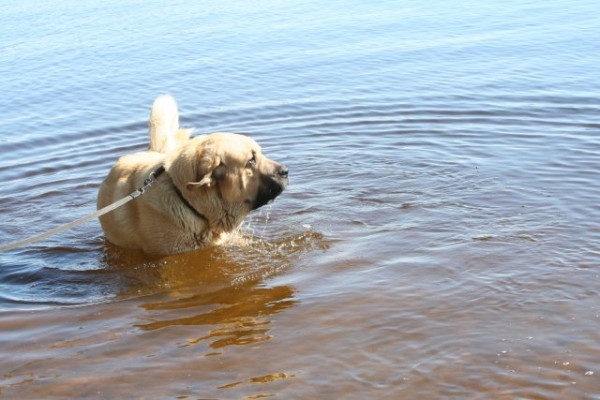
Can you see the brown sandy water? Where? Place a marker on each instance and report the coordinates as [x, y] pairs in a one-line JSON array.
[[439, 237]]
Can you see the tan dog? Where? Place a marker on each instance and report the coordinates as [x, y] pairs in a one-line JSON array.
[[210, 184]]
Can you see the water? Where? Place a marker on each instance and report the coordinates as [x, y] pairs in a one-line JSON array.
[[438, 239]]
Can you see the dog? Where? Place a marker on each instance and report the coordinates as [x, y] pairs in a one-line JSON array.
[[209, 184]]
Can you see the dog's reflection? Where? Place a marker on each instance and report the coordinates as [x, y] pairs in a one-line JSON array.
[[240, 315], [223, 289]]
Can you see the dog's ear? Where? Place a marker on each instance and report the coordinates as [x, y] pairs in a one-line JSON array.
[[209, 173], [220, 172]]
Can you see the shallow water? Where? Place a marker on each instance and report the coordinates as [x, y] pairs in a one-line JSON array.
[[439, 237]]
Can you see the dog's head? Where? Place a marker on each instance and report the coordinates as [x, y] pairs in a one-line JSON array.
[[227, 173]]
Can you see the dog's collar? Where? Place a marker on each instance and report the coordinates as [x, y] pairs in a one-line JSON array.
[[154, 175], [183, 199]]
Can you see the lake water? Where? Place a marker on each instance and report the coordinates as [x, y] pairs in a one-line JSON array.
[[440, 236]]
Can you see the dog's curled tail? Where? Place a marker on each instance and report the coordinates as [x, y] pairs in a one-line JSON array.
[[165, 134]]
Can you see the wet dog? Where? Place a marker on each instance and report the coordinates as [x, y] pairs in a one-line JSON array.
[[209, 184]]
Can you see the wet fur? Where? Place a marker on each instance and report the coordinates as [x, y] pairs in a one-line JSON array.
[[223, 176]]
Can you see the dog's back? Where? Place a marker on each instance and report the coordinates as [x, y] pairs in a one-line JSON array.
[[165, 134]]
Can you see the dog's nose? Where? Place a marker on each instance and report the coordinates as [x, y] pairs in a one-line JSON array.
[[283, 171]]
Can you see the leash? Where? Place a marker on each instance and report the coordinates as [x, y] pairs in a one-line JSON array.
[[137, 193]]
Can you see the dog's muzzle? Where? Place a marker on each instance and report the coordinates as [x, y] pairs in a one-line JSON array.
[[271, 186]]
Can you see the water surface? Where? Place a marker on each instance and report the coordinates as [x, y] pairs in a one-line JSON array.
[[439, 237]]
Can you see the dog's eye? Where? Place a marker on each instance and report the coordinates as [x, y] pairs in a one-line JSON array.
[[252, 161]]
